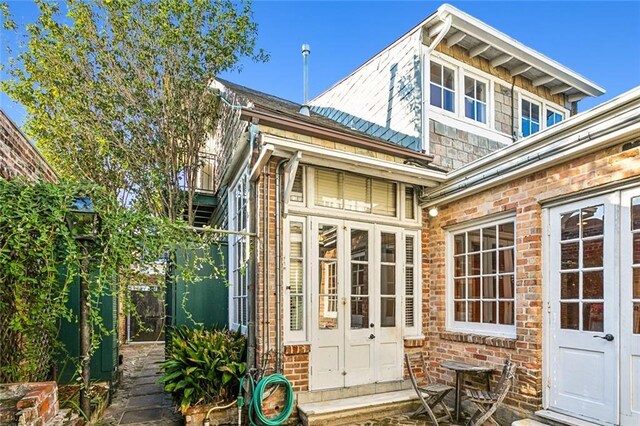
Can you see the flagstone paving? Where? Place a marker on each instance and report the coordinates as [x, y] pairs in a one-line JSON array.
[[140, 400]]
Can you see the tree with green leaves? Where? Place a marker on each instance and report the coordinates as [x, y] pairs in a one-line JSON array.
[[117, 92]]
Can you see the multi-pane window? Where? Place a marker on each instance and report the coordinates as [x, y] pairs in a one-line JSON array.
[[483, 274], [409, 207], [530, 122], [409, 282], [475, 99], [297, 189], [442, 87], [296, 276], [359, 246], [553, 117], [582, 269], [328, 285], [635, 231], [347, 191], [239, 252]]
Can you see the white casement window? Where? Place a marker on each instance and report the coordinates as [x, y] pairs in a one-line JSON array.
[[481, 278], [475, 99], [442, 88], [297, 189], [553, 117], [295, 278], [356, 193], [530, 117], [238, 253]]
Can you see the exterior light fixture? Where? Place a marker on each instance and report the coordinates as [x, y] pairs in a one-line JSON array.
[[82, 220], [433, 211]]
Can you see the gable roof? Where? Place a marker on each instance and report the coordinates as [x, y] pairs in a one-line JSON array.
[[482, 40]]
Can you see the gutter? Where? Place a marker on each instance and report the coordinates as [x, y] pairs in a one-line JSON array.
[[611, 124]]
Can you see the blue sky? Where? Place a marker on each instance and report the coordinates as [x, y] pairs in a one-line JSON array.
[[600, 40]]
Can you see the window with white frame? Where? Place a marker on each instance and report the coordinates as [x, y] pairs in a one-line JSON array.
[[238, 253], [475, 99], [348, 191], [482, 278], [296, 278], [530, 117], [443, 94], [553, 117]]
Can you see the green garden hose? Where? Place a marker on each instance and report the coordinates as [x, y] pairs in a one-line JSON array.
[[257, 395]]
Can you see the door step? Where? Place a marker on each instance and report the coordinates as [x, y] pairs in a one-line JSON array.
[[548, 417], [358, 409]]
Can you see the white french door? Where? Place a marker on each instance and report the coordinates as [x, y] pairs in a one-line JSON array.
[[584, 312], [594, 277], [356, 276], [630, 307]]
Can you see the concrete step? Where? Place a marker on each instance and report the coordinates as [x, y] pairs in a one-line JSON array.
[[553, 418], [358, 409]]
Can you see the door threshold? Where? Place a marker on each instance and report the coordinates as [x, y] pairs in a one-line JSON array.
[[353, 391], [564, 419]]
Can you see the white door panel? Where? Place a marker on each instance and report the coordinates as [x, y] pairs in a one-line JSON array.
[[630, 307], [583, 299]]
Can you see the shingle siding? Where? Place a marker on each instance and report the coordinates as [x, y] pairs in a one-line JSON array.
[[381, 98]]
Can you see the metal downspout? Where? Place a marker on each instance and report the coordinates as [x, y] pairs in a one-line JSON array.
[[266, 344], [252, 218], [278, 264]]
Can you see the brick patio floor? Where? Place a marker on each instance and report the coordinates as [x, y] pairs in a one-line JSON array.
[[140, 400]]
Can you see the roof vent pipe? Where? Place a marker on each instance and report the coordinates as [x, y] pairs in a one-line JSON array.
[[305, 67]]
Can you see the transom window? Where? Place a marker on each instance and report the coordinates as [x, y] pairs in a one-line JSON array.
[[530, 122], [347, 191], [483, 284], [443, 93], [475, 99]]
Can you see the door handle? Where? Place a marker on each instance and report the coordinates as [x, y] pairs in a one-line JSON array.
[[372, 336], [607, 337]]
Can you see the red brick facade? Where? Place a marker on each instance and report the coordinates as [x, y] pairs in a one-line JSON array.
[[18, 157], [523, 198]]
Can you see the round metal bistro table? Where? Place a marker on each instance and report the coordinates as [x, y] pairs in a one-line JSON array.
[[461, 369]]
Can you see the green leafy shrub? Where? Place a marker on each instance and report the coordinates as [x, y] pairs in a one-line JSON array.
[[203, 366]]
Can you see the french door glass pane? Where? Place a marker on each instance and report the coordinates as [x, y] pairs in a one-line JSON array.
[[636, 248], [592, 285], [635, 213], [328, 279], [387, 311], [388, 247], [569, 313], [592, 254], [359, 245], [636, 318], [636, 283], [592, 221], [388, 279], [359, 312], [569, 256], [570, 225], [592, 316], [569, 285]]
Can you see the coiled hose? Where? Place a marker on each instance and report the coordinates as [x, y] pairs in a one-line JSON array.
[[257, 394]]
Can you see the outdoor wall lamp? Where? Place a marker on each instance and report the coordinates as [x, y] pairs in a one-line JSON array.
[[84, 223], [433, 211], [82, 220]]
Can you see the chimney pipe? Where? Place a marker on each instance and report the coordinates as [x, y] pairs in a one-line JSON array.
[[305, 64]]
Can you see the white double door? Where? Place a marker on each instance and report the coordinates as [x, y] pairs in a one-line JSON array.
[[357, 277], [594, 305]]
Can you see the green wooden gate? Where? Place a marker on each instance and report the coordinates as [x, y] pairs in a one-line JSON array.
[[205, 302]]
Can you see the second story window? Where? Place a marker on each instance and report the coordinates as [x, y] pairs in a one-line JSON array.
[[475, 99], [530, 122], [442, 88], [553, 117]]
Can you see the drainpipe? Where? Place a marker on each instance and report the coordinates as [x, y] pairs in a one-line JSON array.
[[278, 263], [266, 344], [252, 217], [514, 136], [425, 53]]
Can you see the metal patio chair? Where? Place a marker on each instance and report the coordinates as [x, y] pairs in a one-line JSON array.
[[488, 402], [431, 394]]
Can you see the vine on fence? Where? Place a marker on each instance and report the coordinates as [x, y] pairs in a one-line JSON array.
[[39, 262]]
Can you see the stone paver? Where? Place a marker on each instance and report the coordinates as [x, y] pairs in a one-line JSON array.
[[140, 400]]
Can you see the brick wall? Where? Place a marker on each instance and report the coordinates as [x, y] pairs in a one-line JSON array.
[[523, 197], [18, 158], [28, 403]]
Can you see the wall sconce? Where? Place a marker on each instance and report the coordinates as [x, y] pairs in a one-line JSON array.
[[433, 211]]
